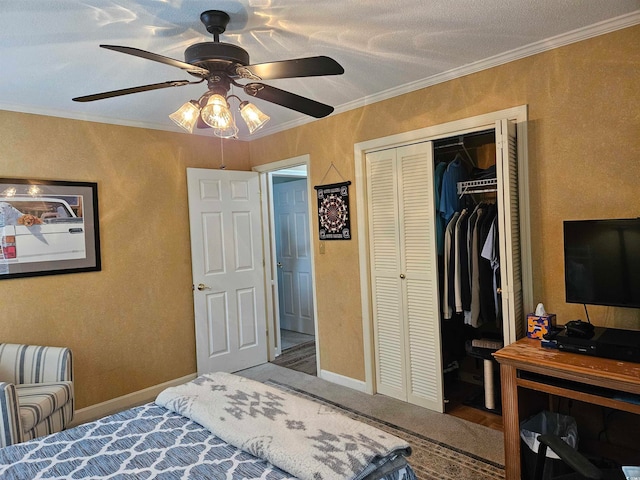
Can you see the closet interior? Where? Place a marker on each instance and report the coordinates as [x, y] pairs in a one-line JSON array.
[[465, 187]]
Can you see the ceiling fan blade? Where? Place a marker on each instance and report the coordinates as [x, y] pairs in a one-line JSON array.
[[192, 69], [127, 91], [288, 99], [301, 67]]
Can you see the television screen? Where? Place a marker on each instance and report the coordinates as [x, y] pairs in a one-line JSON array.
[[602, 262]]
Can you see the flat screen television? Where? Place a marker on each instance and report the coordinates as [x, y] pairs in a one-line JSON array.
[[602, 262]]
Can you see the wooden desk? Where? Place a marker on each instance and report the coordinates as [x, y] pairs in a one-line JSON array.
[[525, 364]]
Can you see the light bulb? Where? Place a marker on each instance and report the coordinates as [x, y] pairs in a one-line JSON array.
[[216, 112]]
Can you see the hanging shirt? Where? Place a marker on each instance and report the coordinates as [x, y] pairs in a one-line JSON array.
[[440, 223], [449, 200], [467, 282], [459, 233], [448, 291], [485, 270], [490, 251], [475, 319]]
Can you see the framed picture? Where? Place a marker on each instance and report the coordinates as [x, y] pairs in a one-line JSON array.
[[48, 227]]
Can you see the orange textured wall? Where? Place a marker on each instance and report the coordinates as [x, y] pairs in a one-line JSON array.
[[584, 162], [130, 326]]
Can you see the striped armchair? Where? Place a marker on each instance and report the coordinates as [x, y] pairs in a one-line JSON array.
[[36, 391]]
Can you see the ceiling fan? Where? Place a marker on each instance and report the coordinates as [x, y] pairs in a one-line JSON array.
[[222, 65]]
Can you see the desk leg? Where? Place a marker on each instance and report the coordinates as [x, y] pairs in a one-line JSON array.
[[511, 422]]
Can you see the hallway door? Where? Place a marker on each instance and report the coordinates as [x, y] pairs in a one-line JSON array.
[[293, 257]]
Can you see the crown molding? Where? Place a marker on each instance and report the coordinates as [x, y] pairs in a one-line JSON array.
[[574, 36]]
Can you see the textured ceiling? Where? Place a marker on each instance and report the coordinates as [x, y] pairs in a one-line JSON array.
[[49, 49]]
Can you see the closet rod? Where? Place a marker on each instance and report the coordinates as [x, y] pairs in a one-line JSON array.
[[459, 143]]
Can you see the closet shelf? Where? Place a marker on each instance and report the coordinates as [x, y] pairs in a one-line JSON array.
[[478, 186]]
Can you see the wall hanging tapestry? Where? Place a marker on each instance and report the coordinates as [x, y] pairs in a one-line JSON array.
[[334, 221]]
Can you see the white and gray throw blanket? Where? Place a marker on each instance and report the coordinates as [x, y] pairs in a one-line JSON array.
[[304, 438]]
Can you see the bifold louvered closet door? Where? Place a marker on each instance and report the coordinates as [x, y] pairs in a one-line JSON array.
[[404, 274]]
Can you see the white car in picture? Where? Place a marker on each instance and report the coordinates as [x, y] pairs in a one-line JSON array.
[[59, 236]]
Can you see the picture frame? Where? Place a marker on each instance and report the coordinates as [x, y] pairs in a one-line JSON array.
[[48, 227]]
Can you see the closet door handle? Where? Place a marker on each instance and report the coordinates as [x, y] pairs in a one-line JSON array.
[[402, 276], [499, 291]]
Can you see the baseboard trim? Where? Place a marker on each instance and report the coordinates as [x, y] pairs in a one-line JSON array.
[[99, 410], [343, 381]]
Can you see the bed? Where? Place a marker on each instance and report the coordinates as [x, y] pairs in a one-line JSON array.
[[219, 426]]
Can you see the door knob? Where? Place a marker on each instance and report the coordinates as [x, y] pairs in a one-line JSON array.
[[279, 264], [202, 286], [499, 291], [402, 275]]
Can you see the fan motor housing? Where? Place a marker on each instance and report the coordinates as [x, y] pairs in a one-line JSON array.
[[216, 55]]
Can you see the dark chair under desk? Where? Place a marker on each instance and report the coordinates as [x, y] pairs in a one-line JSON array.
[[582, 467]]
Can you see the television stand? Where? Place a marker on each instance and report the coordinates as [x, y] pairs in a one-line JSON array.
[[526, 365]]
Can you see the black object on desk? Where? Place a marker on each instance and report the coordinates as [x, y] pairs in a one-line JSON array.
[[613, 343]]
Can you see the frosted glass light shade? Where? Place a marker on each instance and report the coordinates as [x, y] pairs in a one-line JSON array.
[[216, 113], [186, 116], [230, 132], [252, 116]]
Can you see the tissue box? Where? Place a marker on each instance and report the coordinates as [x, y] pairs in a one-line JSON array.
[[537, 326]]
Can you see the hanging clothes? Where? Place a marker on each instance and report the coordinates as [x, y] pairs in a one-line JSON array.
[[491, 252], [449, 200], [485, 270], [474, 318], [448, 293], [467, 277], [440, 222], [460, 233]]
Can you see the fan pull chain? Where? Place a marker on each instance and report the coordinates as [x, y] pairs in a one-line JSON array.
[[222, 165]]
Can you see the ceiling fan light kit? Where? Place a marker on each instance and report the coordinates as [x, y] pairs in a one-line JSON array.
[[252, 116], [221, 64], [186, 116]]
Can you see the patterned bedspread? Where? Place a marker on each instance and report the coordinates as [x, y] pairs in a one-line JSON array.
[[146, 442]]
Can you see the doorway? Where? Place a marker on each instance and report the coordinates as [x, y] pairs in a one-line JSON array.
[[293, 262], [292, 328]]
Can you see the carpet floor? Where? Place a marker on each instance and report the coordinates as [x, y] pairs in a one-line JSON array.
[[430, 459], [443, 429], [301, 358]]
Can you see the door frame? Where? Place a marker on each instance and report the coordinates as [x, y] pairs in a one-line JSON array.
[[457, 127], [271, 275]]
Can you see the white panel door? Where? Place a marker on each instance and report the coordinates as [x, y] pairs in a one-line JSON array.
[[404, 274], [227, 267], [293, 256], [509, 228]]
